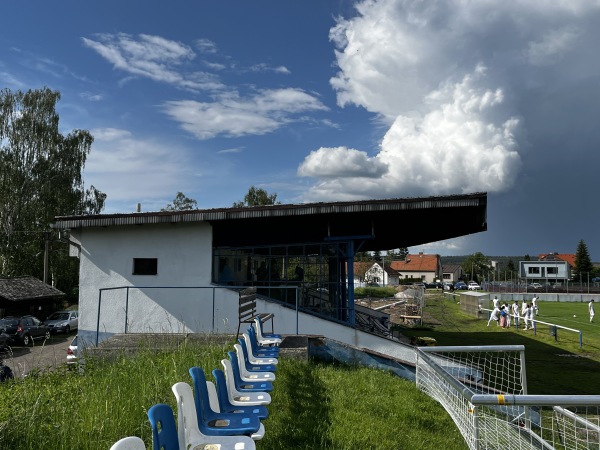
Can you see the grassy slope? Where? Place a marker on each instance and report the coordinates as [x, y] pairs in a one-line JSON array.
[[315, 405]]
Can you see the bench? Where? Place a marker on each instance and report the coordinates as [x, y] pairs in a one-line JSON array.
[[418, 319], [247, 309]]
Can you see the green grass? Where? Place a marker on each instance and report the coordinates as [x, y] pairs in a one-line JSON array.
[[314, 405], [553, 366]]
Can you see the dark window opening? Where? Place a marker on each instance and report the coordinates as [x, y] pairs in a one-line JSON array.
[[145, 266]]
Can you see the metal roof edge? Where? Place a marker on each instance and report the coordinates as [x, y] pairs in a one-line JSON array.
[[285, 210]]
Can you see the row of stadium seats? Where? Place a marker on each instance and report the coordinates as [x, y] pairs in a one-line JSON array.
[[226, 414]]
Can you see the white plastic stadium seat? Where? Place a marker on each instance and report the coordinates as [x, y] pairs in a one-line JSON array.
[[187, 425], [245, 374], [129, 443], [242, 398]]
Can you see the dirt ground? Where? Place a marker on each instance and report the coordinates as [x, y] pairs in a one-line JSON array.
[[41, 356]]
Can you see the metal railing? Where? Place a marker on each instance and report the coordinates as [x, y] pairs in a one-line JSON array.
[[484, 389], [552, 327], [293, 301]]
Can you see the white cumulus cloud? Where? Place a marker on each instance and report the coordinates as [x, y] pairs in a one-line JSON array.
[[465, 89], [341, 162]]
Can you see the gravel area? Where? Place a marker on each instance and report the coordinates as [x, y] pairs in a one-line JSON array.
[[40, 356]]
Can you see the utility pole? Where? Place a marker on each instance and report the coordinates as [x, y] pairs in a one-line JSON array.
[[46, 254]]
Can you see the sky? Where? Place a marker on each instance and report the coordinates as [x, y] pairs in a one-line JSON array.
[[322, 101]]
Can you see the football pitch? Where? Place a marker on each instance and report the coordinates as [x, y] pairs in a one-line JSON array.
[[555, 363]]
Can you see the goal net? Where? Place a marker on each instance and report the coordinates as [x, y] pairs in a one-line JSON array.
[[484, 389]]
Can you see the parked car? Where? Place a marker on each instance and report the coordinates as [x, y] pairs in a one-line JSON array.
[[473, 286], [420, 285], [535, 286], [24, 329], [62, 321], [460, 285], [72, 352], [596, 280]]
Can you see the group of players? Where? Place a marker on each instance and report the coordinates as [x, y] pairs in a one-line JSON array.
[[502, 314]]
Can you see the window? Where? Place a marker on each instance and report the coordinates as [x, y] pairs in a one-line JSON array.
[[552, 270], [533, 270], [145, 266]]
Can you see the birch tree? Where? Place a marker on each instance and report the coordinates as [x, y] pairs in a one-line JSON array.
[[40, 178]]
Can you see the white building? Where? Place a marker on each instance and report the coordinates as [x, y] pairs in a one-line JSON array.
[[177, 272]]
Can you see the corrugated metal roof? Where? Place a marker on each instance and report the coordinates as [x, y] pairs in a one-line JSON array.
[[257, 212]]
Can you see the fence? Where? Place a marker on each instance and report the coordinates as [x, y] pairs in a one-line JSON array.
[[130, 308], [484, 389], [540, 326]]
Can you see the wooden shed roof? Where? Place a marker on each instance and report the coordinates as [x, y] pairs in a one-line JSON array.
[[26, 288]]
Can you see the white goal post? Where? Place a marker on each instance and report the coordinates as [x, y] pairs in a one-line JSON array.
[[484, 389]]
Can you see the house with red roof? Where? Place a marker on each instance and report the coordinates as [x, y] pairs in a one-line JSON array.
[[428, 268]]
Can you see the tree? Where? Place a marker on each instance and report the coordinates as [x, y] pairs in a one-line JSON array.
[[362, 257], [583, 264], [476, 264], [257, 197], [40, 178], [509, 269], [181, 203], [402, 253]]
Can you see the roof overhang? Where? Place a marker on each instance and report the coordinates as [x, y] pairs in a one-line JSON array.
[[380, 224], [20, 289]]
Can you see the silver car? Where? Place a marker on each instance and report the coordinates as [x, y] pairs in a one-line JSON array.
[[63, 321], [72, 357]]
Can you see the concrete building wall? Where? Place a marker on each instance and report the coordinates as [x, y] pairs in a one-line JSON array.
[[179, 298], [426, 277], [288, 321]]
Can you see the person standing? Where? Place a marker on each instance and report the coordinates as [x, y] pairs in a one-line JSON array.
[[591, 308], [528, 317], [534, 304], [523, 308], [508, 314], [515, 311], [503, 315], [495, 301]]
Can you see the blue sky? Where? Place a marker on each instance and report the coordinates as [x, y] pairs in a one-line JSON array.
[[332, 100]]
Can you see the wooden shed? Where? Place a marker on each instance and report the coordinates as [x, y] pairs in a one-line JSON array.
[[28, 295]]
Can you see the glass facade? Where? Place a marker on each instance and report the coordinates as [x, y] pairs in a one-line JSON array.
[[314, 275]]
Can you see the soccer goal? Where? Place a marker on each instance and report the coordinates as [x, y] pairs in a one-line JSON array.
[[484, 389]]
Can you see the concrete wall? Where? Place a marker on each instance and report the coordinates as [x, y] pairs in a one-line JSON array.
[[547, 297], [287, 321], [184, 260], [180, 297]]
